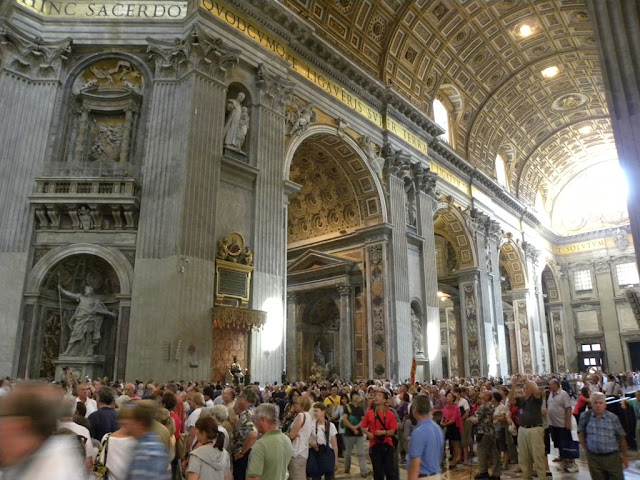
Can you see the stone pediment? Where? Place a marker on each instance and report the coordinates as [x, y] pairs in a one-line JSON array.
[[314, 264]]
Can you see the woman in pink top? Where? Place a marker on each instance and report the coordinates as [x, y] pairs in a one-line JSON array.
[[452, 419]]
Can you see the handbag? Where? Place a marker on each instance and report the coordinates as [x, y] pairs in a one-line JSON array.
[[322, 461], [570, 449], [99, 470]]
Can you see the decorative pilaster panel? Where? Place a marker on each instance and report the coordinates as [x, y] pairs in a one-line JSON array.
[[473, 348], [558, 341], [400, 332], [267, 346], [346, 332], [427, 198], [523, 336], [456, 365], [377, 302], [361, 335]]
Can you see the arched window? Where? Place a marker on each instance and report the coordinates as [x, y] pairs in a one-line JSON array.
[[501, 176], [441, 117]]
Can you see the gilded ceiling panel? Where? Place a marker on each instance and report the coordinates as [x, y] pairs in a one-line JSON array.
[[338, 194], [477, 47]]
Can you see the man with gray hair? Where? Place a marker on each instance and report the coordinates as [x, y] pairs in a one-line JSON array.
[[427, 441], [559, 417], [68, 408], [271, 454], [244, 433], [604, 440]]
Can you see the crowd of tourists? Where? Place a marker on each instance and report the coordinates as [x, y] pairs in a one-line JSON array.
[[82, 429]]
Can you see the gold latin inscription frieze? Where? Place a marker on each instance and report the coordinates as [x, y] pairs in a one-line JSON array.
[[231, 18], [108, 10]]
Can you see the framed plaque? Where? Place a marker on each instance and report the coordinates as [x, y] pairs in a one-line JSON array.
[[233, 283]]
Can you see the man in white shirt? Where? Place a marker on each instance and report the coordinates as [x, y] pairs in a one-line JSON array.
[[28, 448], [83, 397], [66, 422], [197, 403]]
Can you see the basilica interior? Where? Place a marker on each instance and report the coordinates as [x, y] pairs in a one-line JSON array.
[[319, 188]]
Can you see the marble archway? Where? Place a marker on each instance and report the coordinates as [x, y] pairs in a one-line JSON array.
[[338, 202], [44, 328]]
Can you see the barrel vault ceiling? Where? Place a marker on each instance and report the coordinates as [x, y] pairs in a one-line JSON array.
[[472, 55]]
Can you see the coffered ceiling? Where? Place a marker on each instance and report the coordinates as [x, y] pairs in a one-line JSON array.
[[472, 54]]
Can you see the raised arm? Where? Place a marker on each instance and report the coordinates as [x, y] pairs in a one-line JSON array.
[[69, 294]]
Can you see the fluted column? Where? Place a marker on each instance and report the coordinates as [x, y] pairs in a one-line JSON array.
[[267, 345], [346, 332], [29, 85], [616, 25], [400, 332], [427, 201]]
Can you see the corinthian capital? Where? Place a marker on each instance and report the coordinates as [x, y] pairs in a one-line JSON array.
[[197, 51], [532, 254], [275, 89], [32, 56]]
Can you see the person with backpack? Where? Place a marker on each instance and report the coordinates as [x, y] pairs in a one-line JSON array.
[[603, 439], [381, 425]]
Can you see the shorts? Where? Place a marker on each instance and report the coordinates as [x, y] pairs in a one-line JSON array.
[[453, 433], [466, 433]]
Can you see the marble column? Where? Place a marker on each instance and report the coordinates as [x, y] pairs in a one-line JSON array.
[[400, 332], [29, 86], [175, 261], [493, 237], [426, 202], [346, 332], [269, 277], [292, 328], [616, 25], [535, 307]]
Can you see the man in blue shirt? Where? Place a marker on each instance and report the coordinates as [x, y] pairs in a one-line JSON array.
[[427, 441], [635, 404], [603, 438], [150, 459]]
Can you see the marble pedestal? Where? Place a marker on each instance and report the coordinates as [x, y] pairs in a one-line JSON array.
[[92, 367]]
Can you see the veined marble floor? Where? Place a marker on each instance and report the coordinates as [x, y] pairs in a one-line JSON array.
[[466, 473]]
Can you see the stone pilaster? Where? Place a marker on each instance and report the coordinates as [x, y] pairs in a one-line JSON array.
[[377, 305], [617, 26], [346, 332], [269, 276], [609, 314], [30, 80], [175, 262], [535, 307], [493, 235], [427, 198], [400, 332]]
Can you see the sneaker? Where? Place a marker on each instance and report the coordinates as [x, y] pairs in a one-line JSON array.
[[572, 468], [482, 475]]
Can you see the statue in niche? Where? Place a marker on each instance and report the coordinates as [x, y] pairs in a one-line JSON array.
[[301, 119], [86, 322], [374, 157], [86, 222], [235, 130], [416, 327], [318, 355]]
